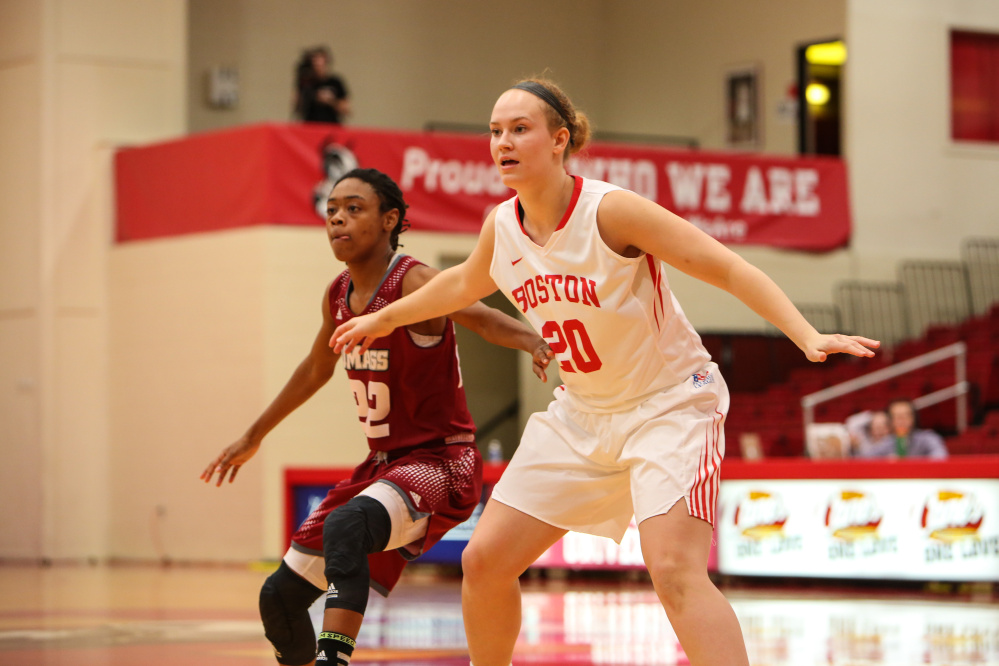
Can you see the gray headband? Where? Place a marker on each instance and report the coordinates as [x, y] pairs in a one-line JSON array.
[[546, 95]]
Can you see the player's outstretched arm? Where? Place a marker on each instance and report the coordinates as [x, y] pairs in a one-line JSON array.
[[310, 375], [450, 290], [628, 220], [490, 324]]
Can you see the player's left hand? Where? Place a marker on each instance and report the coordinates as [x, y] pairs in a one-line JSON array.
[[818, 348], [360, 332], [542, 356]]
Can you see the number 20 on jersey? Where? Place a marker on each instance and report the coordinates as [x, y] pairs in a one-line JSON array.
[[571, 336]]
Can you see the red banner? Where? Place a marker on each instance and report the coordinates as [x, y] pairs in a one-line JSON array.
[[281, 174]]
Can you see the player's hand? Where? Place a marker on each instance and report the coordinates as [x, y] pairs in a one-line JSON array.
[[358, 332], [230, 460], [819, 347], [542, 356]]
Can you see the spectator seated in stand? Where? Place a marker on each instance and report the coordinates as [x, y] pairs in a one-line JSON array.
[[870, 433]]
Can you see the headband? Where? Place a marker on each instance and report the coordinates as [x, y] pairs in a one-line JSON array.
[[546, 95]]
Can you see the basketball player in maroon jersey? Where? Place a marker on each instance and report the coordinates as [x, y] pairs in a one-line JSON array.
[[424, 473]]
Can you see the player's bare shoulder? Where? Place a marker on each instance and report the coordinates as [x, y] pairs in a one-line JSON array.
[[616, 214], [486, 234], [417, 276], [490, 218]]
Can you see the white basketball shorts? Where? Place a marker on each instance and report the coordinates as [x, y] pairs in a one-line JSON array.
[[591, 472]]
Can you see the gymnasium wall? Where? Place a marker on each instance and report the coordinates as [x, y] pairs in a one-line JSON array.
[[915, 192], [399, 58], [405, 63], [77, 78], [20, 187]]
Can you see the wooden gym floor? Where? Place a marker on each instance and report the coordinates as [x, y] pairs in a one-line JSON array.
[[195, 616]]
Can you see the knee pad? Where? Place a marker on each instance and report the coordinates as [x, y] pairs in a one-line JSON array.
[[350, 533], [284, 609]]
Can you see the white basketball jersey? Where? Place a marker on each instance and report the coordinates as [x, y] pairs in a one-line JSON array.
[[618, 333]]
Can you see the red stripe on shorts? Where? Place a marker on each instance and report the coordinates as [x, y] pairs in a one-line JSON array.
[[702, 469], [716, 473], [704, 494]]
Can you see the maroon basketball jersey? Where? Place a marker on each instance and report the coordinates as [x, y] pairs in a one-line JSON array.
[[405, 394]]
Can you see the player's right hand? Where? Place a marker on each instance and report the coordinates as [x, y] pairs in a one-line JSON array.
[[821, 345], [542, 356], [230, 460]]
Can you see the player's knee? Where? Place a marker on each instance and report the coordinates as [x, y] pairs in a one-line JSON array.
[[673, 576], [351, 532], [666, 568], [284, 609], [478, 563], [342, 542], [471, 562]]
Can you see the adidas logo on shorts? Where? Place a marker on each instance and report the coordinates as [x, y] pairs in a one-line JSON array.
[[332, 592], [321, 656]]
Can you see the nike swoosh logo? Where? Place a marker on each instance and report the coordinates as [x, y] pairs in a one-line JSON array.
[[516, 261]]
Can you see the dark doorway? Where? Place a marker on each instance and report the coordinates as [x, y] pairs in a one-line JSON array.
[[820, 66]]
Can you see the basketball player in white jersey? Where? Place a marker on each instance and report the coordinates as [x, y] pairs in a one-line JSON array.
[[636, 426]]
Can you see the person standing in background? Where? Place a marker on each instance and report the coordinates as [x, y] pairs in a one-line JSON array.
[[320, 96]]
